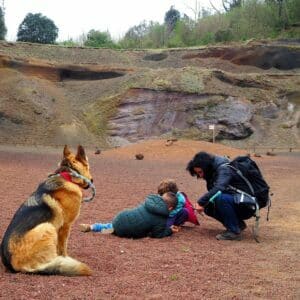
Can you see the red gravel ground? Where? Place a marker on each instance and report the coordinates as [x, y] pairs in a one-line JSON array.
[[189, 265]]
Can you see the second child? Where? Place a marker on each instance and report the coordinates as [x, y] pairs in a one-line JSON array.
[[184, 210]]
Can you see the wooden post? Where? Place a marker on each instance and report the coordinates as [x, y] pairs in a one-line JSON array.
[[212, 127]]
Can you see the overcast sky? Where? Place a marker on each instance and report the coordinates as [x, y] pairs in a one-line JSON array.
[[74, 17]]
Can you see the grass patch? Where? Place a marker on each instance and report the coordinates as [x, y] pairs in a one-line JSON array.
[[185, 249], [97, 116], [194, 133], [174, 277], [184, 80], [138, 111]]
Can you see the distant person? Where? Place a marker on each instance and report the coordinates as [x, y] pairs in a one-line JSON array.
[[184, 210], [218, 178], [147, 219]]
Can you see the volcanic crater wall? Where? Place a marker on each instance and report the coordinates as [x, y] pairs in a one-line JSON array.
[[147, 113], [51, 94]]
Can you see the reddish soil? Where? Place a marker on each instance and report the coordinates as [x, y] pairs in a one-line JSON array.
[[189, 265]]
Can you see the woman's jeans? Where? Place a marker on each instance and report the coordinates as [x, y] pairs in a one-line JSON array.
[[225, 211]]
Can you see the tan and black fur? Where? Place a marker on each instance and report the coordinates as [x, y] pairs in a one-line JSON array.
[[36, 239]]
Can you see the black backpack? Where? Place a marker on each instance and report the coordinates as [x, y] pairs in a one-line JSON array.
[[250, 173]]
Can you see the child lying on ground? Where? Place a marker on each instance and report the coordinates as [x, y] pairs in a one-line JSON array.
[[147, 219], [184, 210]]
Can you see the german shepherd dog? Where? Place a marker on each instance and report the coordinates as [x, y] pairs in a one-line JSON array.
[[36, 239]]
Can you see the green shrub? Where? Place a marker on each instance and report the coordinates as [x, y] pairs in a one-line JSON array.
[[208, 38], [224, 35]]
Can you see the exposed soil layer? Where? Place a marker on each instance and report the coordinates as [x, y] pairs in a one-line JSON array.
[[189, 265]]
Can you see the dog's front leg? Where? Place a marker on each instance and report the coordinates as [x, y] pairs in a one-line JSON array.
[[63, 235]]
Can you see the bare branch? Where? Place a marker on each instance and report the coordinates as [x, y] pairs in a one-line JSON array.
[[3, 5], [218, 11], [196, 10], [223, 3]]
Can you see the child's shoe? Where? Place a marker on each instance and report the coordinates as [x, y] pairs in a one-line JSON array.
[[103, 228], [85, 227]]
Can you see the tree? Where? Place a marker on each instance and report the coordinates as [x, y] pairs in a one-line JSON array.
[[156, 35], [282, 12], [231, 4], [37, 28], [196, 10], [3, 29], [171, 18], [137, 32], [139, 36], [97, 38]]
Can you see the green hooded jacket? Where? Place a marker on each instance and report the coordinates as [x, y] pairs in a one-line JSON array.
[[147, 219]]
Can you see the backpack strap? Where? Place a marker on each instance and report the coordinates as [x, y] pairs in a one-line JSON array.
[[256, 225], [269, 207], [257, 215], [240, 191], [243, 177]]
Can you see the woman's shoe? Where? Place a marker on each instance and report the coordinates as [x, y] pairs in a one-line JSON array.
[[242, 225], [229, 235]]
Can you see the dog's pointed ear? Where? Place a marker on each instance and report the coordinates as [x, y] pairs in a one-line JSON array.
[[67, 151], [81, 154]]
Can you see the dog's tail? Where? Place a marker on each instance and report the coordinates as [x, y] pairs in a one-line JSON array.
[[64, 265]]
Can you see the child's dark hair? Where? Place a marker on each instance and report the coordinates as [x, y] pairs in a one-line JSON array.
[[170, 199], [167, 185]]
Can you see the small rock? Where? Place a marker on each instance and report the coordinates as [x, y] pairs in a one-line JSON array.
[[139, 156], [271, 153], [97, 151], [169, 143]]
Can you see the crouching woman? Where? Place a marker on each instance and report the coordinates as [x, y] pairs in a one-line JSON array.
[[218, 202]]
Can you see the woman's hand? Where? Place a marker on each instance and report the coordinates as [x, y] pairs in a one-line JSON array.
[[175, 228], [199, 208]]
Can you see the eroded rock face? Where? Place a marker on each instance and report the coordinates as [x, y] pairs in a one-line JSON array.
[[147, 113], [232, 118], [156, 56], [264, 57], [270, 111], [55, 72]]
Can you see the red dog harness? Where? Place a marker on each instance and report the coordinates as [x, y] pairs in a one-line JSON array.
[[66, 176]]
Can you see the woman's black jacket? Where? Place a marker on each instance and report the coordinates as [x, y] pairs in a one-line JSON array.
[[219, 177]]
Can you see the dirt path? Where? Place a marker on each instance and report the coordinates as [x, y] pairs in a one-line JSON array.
[[189, 265]]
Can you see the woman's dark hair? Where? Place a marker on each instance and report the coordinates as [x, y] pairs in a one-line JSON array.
[[201, 160]]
